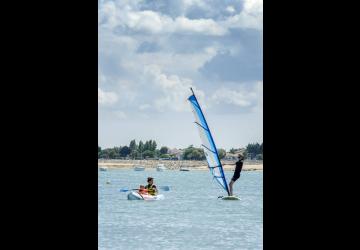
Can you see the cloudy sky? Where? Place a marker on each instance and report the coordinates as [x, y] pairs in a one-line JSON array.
[[151, 53]]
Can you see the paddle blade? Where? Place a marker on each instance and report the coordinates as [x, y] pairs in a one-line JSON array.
[[165, 188], [127, 189]]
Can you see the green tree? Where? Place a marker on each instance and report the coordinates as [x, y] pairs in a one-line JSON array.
[[192, 153], [164, 150], [157, 153], [187, 152], [109, 153], [124, 151], [147, 145], [253, 149], [133, 148], [141, 147], [153, 146], [112, 154], [245, 154], [148, 154], [165, 156], [232, 151], [197, 155], [103, 154], [222, 153], [133, 145], [117, 151]]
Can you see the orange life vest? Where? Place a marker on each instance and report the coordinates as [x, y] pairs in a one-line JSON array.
[[143, 191]]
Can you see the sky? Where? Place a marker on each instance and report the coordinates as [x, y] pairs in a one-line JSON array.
[[152, 52]]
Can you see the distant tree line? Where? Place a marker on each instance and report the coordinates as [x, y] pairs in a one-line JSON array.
[[192, 153], [149, 150], [135, 151], [254, 151]]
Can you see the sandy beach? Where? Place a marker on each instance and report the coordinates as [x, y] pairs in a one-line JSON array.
[[175, 165]]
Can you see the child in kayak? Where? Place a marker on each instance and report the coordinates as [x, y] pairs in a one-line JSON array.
[[143, 190], [151, 188], [237, 171]]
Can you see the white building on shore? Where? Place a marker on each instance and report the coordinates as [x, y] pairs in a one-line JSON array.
[[176, 152]]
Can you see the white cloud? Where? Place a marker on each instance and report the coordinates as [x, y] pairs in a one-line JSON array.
[[230, 9], [176, 71], [108, 42], [189, 3], [242, 96], [101, 78], [184, 64], [128, 15], [106, 98], [251, 16], [201, 26], [120, 114], [229, 96], [144, 106], [259, 90], [142, 84], [253, 6], [175, 90], [149, 21]]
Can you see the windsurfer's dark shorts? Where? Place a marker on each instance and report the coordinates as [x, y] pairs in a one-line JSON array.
[[236, 176]]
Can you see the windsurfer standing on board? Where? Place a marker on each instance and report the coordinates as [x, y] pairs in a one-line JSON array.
[[238, 168]]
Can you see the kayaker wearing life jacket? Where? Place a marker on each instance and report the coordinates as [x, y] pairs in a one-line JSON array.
[[151, 188]]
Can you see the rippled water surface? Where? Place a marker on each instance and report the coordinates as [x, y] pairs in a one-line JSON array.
[[190, 216]]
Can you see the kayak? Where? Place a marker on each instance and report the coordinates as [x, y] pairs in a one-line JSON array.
[[136, 196]]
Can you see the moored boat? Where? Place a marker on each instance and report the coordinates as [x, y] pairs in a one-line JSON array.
[[160, 167], [184, 169], [139, 168]]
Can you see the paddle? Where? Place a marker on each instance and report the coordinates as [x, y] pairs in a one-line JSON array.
[[126, 189], [164, 188]]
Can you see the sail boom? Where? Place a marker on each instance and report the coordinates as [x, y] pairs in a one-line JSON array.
[[208, 148], [201, 126]]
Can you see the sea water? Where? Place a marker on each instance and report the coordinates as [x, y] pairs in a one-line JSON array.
[[190, 217]]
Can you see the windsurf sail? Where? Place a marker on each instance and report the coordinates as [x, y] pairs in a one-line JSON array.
[[208, 144]]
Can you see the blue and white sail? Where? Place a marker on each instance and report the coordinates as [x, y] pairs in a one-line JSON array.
[[208, 144]]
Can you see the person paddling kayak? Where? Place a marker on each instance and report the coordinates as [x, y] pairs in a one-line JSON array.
[[238, 168], [150, 187]]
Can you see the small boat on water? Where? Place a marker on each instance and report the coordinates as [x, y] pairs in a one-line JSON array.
[[184, 169], [139, 168], [160, 167], [103, 168], [134, 195]]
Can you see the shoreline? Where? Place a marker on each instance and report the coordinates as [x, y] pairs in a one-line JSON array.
[[174, 165]]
